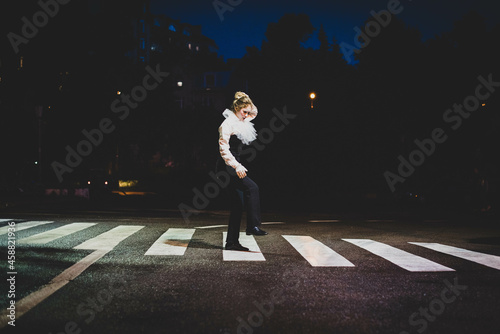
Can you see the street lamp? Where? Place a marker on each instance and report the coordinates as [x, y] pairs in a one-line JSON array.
[[312, 96]]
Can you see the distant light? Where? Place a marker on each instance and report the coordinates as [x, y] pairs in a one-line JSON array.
[[179, 83], [118, 92], [36, 162], [483, 104], [312, 96], [88, 182], [106, 182], [127, 183]]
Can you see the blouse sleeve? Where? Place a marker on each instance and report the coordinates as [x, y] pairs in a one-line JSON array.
[[224, 135]]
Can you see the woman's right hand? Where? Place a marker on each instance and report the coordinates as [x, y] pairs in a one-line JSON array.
[[241, 172]]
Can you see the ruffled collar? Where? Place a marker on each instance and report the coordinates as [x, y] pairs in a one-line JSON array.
[[244, 130]]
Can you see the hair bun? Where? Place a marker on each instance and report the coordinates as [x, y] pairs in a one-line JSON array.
[[239, 95]]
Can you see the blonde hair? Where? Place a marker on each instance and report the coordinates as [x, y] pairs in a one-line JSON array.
[[241, 100]]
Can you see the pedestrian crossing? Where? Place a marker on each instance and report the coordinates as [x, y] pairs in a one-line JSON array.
[[488, 260], [51, 235], [175, 242], [24, 226], [316, 253], [110, 239]]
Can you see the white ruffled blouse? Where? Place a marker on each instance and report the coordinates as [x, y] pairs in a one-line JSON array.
[[245, 132]]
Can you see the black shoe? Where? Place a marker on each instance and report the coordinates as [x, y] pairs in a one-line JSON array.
[[256, 231], [237, 247]]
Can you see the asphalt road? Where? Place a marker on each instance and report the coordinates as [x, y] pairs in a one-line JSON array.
[[104, 286]]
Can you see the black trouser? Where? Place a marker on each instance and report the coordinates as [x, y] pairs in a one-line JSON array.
[[243, 193]]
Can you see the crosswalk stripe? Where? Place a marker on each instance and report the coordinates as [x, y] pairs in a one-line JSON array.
[[108, 240], [173, 242], [211, 226], [399, 257], [317, 253], [56, 233], [488, 260], [23, 226], [254, 253]]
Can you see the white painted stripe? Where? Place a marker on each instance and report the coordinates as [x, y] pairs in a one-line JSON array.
[[56, 233], [216, 226], [212, 226], [399, 257], [35, 298], [254, 253], [492, 261], [324, 221], [173, 242], [23, 226], [316, 253], [108, 240], [5, 220]]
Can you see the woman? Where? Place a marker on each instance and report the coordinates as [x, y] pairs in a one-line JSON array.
[[236, 131]]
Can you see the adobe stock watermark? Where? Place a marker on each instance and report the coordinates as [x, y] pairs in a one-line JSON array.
[[264, 309], [454, 117], [222, 6], [121, 107], [40, 19], [436, 307], [222, 178], [372, 29], [87, 310]]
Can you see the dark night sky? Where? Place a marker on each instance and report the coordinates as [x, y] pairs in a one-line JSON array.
[[247, 23]]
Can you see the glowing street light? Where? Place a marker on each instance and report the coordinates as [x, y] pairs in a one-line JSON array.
[[312, 96]]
